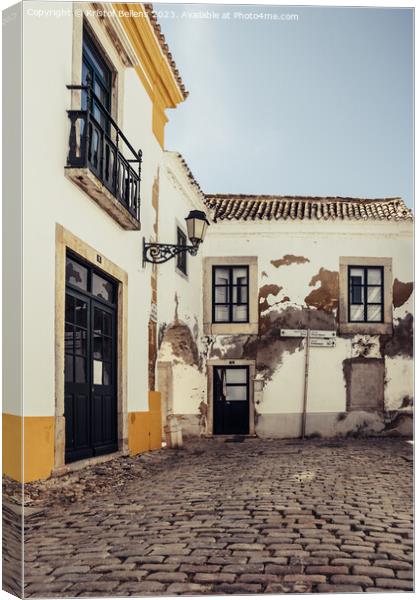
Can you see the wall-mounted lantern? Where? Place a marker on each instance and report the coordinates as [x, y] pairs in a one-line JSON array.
[[196, 228]]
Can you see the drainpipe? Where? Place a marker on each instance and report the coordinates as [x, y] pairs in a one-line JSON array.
[[305, 388]]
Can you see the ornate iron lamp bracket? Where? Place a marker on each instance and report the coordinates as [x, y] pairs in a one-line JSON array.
[[160, 253]]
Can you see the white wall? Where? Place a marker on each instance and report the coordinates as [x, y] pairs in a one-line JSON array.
[[180, 296], [322, 243], [50, 198]]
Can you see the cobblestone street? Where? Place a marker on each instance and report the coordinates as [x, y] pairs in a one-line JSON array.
[[254, 516]]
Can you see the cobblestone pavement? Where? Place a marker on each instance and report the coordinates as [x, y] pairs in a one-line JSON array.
[[221, 517]]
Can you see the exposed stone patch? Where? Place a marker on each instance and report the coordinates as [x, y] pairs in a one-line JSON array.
[[401, 292], [161, 333], [361, 424], [398, 424], [285, 299], [407, 402], [202, 417], [183, 344], [196, 328], [326, 295], [372, 371], [289, 259], [265, 291], [401, 342], [296, 318], [176, 317], [366, 346]]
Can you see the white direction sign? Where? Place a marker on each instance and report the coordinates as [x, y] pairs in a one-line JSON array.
[[293, 332], [318, 333], [313, 333], [321, 343]]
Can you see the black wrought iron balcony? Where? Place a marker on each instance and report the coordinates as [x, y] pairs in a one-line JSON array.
[[98, 147]]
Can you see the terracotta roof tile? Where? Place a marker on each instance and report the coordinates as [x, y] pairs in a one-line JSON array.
[[273, 208]]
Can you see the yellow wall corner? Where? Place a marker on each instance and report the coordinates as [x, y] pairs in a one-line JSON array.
[[28, 447]]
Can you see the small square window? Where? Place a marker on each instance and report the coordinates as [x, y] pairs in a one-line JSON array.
[[181, 258]]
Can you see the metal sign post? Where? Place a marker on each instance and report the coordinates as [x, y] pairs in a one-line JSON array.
[[314, 339], [305, 385]]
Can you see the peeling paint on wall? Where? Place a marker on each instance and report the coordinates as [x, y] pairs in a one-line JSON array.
[[183, 345], [401, 343], [289, 259], [161, 333], [401, 292], [265, 291], [270, 347], [326, 295]]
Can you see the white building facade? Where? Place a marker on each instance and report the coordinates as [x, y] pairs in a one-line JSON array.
[[274, 267], [103, 351], [81, 323]]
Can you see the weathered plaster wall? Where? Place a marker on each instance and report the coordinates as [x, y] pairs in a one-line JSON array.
[[298, 266], [180, 310]]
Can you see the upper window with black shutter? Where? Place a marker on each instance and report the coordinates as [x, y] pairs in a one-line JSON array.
[[181, 258]]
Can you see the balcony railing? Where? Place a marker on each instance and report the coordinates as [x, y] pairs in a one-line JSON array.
[[98, 144]]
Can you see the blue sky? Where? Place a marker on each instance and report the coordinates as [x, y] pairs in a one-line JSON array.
[[318, 106]]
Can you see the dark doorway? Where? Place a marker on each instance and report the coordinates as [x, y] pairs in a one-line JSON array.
[[231, 400], [90, 373]]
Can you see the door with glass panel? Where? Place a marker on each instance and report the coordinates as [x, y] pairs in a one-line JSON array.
[[90, 406], [231, 400]]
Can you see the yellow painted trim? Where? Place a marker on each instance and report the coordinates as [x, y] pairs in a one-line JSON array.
[[159, 120], [37, 449], [145, 427], [154, 70]]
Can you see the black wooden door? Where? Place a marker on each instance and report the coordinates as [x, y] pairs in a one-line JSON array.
[[231, 400], [90, 407]]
